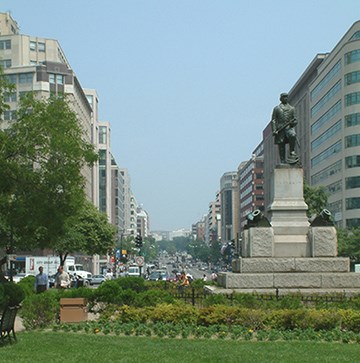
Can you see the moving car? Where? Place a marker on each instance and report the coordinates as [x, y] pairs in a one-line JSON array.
[[97, 279], [158, 275]]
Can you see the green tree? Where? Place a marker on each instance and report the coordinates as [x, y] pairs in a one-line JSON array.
[[199, 250], [215, 251], [349, 244], [41, 160], [150, 249], [88, 232], [316, 198]]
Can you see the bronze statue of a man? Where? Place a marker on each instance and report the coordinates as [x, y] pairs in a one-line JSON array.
[[283, 121]]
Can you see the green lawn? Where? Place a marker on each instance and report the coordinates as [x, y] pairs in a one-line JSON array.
[[74, 347]]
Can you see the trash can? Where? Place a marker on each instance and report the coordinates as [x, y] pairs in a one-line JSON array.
[[73, 310]]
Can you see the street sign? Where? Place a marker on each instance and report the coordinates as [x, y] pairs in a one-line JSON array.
[[139, 260]]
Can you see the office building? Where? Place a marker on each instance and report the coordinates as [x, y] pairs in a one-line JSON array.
[[335, 128], [229, 197]]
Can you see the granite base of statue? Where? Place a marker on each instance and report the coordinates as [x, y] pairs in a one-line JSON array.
[[289, 254]]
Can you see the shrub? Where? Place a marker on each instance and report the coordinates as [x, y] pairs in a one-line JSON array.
[[215, 299], [28, 285], [218, 314], [40, 310], [291, 302], [174, 313], [350, 320], [322, 319], [286, 318], [133, 283], [127, 314], [152, 298], [246, 300], [108, 292], [13, 294], [84, 292]]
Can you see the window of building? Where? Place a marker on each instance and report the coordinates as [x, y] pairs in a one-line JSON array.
[[5, 44], [10, 97], [327, 116], [352, 120], [56, 78], [102, 157], [41, 47], [333, 130], [59, 79], [328, 77], [353, 77], [11, 78], [5, 63], [334, 187], [352, 57], [329, 152], [322, 175], [326, 98], [335, 207], [356, 35], [352, 182], [352, 140], [352, 98], [102, 134], [25, 78], [9, 115], [33, 46], [90, 99], [352, 203], [352, 161]]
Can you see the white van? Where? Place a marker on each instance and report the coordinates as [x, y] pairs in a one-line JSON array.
[[133, 270]]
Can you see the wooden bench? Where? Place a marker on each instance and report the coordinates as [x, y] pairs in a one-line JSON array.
[[7, 324]]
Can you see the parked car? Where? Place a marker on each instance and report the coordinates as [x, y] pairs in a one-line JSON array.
[[97, 279]]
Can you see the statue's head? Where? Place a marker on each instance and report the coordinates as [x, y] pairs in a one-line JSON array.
[[283, 95]]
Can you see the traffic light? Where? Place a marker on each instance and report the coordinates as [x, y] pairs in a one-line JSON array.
[[138, 241]]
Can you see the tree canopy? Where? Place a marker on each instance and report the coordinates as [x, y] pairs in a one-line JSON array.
[[42, 197], [316, 198]]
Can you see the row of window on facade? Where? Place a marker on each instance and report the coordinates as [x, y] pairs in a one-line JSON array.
[[34, 46], [352, 161], [350, 141], [27, 78], [350, 57]]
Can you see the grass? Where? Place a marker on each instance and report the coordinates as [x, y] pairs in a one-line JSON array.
[[47, 346]]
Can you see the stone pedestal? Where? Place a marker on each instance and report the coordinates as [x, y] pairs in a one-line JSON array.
[[287, 213], [323, 241]]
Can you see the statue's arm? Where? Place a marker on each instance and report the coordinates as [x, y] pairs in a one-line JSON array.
[[294, 120], [273, 121]]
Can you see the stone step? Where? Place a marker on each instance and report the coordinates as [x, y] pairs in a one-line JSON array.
[[320, 280], [282, 292], [292, 264]]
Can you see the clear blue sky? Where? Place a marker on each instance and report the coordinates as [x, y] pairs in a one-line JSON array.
[[188, 86]]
